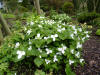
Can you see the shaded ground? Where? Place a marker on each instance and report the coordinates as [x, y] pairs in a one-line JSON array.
[[91, 54]]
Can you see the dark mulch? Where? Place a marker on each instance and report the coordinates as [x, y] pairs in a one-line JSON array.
[[91, 54]]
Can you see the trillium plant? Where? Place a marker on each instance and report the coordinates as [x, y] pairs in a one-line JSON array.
[[53, 45]]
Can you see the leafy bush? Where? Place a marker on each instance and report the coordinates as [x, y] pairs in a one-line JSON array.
[[44, 45], [96, 21], [9, 16], [68, 7], [88, 17], [60, 17], [98, 32]]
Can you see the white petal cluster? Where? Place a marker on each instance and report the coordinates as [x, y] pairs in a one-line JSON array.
[[60, 29], [46, 38], [55, 58], [20, 53], [81, 60], [72, 51], [30, 42], [38, 36], [40, 26], [47, 61], [71, 62], [54, 37], [31, 23], [77, 54], [20, 1], [48, 51], [30, 48], [62, 49], [29, 31], [17, 45], [79, 45], [72, 36], [39, 50]]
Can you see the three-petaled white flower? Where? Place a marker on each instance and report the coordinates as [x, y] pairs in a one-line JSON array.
[[39, 50], [17, 45], [71, 62], [72, 35], [72, 51], [47, 61], [48, 51], [40, 26], [20, 53], [31, 23], [77, 54], [38, 36], [62, 50], [55, 58], [29, 31], [81, 60], [46, 38], [79, 45], [54, 37], [30, 48]]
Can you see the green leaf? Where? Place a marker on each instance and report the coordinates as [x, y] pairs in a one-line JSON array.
[[68, 70], [39, 72], [38, 61], [98, 32]]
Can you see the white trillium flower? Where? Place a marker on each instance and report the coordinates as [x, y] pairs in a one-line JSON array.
[[46, 38], [87, 36], [54, 37], [17, 45], [77, 54], [55, 58], [48, 51], [72, 51], [39, 50], [58, 53], [79, 45], [30, 48], [63, 29], [71, 62], [62, 50], [40, 56], [72, 35], [59, 30], [38, 36], [81, 60], [73, 27], [80, 29], [20, 53], [75, 32], [29, 32], [47, 61], [40, 26], [86, 32], [20, 1], [31, 23]]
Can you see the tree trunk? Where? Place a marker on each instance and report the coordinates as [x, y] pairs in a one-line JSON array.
[[4, 24], [37, 5], [1, 36]]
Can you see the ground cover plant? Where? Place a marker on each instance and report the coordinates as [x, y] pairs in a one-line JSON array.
[[43, 45]]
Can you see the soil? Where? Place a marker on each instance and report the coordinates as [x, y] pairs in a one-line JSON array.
[[91, 54]]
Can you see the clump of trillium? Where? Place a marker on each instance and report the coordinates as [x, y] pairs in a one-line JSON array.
[[51, 33]]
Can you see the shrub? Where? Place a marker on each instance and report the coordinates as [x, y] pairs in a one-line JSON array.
[[60, 17], [68, 7], [98, 32], [44, 45], [96, 21], [88, 17]]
